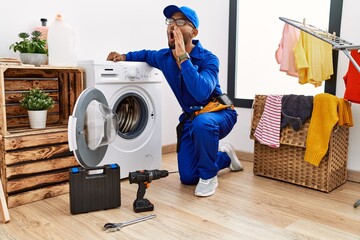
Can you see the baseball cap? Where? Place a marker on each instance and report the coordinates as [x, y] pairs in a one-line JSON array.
[[188, 12]]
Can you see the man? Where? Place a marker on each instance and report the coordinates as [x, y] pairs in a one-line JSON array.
[[192, 73]]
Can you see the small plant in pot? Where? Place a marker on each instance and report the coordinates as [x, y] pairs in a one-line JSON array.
[[33, 49], [37, 103]]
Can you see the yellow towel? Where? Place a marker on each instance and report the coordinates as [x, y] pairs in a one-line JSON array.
[[323, 119], [344, 111]]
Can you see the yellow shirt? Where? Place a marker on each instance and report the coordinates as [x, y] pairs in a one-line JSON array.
[[313, 58]]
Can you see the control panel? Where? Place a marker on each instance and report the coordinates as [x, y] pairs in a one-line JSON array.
[[103, 72]]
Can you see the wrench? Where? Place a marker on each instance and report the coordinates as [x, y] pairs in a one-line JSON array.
[[113, 227]]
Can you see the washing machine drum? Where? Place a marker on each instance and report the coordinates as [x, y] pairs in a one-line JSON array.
[[91, 128]]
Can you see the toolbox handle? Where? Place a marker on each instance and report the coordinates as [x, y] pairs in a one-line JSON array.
[[93, 172]]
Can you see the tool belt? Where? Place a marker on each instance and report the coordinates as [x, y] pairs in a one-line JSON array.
[[216, 104]]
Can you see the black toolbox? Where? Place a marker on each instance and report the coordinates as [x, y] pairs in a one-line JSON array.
[[93, 189]]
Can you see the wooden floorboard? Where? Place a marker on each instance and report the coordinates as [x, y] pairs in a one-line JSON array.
[[244, 207]]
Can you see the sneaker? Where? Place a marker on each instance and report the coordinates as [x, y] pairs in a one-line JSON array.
[[235, 164], [206, 187]]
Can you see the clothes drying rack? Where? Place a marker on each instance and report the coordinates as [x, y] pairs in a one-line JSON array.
[[336, 42]]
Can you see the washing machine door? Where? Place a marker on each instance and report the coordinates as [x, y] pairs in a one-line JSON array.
[[91, 128]]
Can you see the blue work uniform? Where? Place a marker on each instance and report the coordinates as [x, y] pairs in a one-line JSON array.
[[194, 85]]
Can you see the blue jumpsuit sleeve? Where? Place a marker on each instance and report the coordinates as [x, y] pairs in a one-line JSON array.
[[148, 56], [201, 80]]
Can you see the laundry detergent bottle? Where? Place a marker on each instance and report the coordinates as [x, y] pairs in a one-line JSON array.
[[61, 44], [43, 29]]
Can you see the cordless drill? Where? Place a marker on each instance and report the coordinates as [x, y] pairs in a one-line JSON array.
[[143, 179]]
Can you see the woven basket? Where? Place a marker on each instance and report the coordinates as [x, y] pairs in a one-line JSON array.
[[287, 162]]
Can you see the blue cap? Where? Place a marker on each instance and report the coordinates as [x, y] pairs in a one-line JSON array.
[[188, 12]]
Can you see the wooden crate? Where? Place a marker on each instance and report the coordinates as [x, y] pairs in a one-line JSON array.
[[34, 162]]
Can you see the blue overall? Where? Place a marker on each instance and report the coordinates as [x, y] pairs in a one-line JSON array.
[[194, 85]]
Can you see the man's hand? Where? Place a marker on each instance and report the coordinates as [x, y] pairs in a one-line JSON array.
[[116, 57], [179, 41]]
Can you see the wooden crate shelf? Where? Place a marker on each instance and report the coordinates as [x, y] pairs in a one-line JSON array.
[[34, 163]]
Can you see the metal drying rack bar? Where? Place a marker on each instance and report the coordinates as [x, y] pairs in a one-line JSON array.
[[336, 42]]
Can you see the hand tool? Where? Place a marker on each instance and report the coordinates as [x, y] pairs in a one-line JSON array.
[[113, 227], [143, 179]]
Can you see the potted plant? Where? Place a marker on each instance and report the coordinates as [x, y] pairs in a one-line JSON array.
[[37, 103], [33, 49]]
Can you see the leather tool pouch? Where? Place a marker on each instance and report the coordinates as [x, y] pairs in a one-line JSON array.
[[225, 99], [221, 102]]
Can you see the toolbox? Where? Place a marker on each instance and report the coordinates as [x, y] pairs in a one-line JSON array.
[[93, 189]]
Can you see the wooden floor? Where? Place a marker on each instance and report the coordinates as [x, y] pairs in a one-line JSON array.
[[244, 207]]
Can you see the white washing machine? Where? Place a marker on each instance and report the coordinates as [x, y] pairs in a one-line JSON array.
[[132, 137]]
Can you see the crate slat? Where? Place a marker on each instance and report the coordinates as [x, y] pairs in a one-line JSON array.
[[29, 183], [36, 153], [41, 166], [37, 194], [12, 143]]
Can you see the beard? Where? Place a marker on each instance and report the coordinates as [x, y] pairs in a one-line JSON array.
[[171, 45]]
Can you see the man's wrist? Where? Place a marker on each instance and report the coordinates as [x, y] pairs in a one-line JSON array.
[[183, 57]]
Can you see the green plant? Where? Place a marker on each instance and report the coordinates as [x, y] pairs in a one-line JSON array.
[[36, 99], [33, 44]]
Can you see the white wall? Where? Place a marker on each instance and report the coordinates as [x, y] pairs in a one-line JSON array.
[[124, 25], [120, 25]]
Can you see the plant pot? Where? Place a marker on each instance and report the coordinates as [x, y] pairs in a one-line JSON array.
[[36, 59], [37, 118]]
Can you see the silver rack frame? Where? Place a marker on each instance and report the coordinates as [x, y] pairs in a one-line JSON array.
[[336, 42]]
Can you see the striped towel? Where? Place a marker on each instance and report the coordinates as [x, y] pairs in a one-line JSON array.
[[268, 130]]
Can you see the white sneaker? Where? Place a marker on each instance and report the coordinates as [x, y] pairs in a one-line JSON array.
[[206, 187], [235, 164]]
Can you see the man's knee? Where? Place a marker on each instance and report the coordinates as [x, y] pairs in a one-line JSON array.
[[188, 179]]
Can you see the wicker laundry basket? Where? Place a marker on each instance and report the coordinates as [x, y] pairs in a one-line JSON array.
[[287, 162]]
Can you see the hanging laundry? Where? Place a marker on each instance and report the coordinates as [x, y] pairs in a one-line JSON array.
[[352, 80], [268, 130], [328, 110], [313, 58], [345, 113], [284, 55], [295, 109]]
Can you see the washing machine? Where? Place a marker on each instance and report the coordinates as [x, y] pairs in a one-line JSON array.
[[117, 118]]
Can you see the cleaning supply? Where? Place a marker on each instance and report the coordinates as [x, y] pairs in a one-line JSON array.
[[61, 44], [43, 29]]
